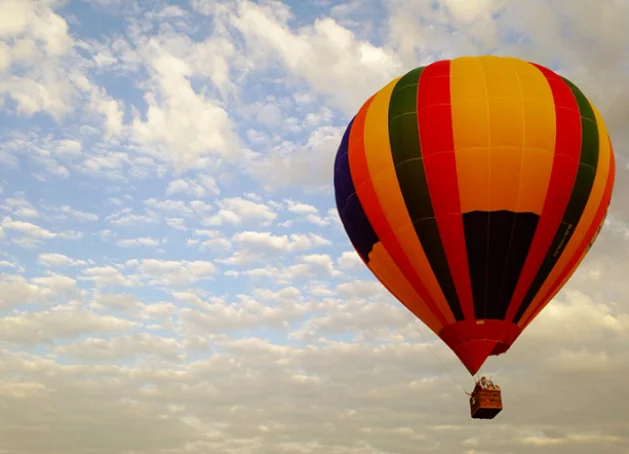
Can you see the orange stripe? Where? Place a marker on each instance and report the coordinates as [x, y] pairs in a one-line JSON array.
[[371, 205], [386, 270]]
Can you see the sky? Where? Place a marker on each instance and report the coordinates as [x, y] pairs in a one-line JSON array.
[[174, 277]]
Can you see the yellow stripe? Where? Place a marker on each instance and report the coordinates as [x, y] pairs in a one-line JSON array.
[[540, 130], [386, 185], [384, 268], [470, 124], [598, 189], [503, 115]]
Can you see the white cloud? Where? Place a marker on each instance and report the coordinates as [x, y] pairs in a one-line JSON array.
[[19, 207], [325, 54], [205, 186], [237, 210], [308, 212], [128, 302], [220, 317], [103, 276], [93, 349], [180, 124], [176, 223], [252, 244], [28, 229], [350, 261], [39, 38], [67, 211], [309, 165], [166, 273], [160, 310], [17, 290], [125, 218], [59, 322], [142, 241]]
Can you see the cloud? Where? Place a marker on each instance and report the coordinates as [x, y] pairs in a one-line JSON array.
[[121, 302], [19, 207], [93, 349], [69, 212], [28, 229], [309, 165], [168, 273], [59, 322], [325, 54], [382, 402], [176, 223], [103, 276], [125, 218], [143, 241], [17, 290], [254, 246], [237, 210], [40, 38], [207, 185], [177, 116], [350, 260]]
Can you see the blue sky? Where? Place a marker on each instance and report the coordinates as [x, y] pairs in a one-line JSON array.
[[167, 218]]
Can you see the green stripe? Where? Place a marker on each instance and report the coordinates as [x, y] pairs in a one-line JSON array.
[[588, 163], [409, 167]]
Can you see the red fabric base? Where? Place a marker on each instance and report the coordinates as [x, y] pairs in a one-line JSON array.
[[475, 340]]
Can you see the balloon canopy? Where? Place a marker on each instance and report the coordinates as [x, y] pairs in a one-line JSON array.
[[472, 188]]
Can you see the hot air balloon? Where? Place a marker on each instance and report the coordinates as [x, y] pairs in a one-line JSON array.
[[472, 189]]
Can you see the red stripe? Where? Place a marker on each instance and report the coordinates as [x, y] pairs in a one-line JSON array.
[[371, 205], [434, 118], [564, 172], [579, 253]]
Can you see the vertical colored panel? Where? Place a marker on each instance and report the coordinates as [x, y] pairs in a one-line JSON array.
[[506, 139], [353, 217], [503, 117], [434, 117], [470, 128], [539, 137], [361, 171], [409, 168], [365, 240], [578, 199], [585, 228], [472, 144], [565, 165], [506, 132], [511, 234], [385, 182]]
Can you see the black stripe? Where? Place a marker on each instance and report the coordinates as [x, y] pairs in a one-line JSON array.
[[409, 168], [491, 256]]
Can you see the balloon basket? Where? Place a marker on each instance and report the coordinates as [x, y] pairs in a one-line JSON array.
[[485, 404]]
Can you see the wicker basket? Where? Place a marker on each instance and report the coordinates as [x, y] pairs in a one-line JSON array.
[[485, 403]]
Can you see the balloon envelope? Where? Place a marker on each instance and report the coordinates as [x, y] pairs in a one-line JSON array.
[[472, 188]]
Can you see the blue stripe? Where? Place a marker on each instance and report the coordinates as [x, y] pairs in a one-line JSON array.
[[351, 212]]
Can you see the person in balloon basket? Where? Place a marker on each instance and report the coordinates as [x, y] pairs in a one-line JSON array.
[[487, 384], [484, 384]]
